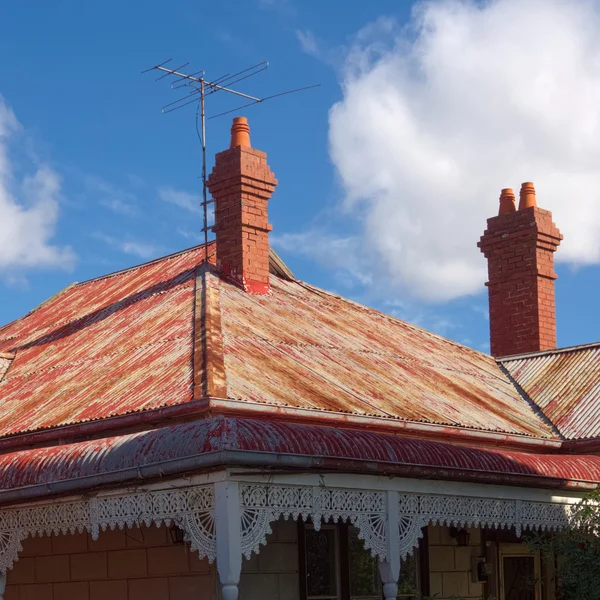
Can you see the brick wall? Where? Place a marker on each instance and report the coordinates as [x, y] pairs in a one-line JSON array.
[[242, 184], [273, 573], [519, 247], [450, 565], [135, 564]]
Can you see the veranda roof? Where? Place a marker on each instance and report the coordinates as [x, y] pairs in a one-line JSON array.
[[230, 441]]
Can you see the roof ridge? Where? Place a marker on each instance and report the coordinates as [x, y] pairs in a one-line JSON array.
[[315, 289], [532, 404], [210, 378], [144, 264], [576, 348], [35, 309]]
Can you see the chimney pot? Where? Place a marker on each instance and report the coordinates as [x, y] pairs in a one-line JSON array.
[[527, 196], [240, 133], [507, 201]]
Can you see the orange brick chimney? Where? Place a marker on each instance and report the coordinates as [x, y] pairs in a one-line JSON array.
[[241, 184], [519, 246]]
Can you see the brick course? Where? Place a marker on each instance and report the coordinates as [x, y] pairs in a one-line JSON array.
[[241, 184], [450, 565], [134, 564]]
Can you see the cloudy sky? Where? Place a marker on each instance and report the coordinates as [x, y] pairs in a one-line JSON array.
[[387, 172]]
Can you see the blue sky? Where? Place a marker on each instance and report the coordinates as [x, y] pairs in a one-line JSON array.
[[387, 171]]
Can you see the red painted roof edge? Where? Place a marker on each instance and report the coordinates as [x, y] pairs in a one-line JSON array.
[[426, 430], [226, 441], [582, 446]]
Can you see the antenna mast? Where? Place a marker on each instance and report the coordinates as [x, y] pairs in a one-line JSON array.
[[201, 89]]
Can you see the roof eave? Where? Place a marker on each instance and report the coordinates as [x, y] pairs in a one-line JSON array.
[[433, 431], [145, 474]]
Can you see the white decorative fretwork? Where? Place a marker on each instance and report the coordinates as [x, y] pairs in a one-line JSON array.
[[192, 509], [377, 515], [262, 504], [418, 510]]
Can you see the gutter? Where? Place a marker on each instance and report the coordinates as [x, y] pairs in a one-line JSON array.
[[591, 446], [265, 460], [433, 431], [106, 427], [210, 406]]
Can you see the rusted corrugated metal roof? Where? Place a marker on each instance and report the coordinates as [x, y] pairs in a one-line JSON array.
[[565, 384], [259, 442], [110, 346], [5, 362], [305, 348], [154, 335]]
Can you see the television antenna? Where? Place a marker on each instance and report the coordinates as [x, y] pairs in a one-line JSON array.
[[201, 88]]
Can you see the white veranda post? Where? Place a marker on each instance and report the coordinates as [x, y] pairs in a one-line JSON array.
[[229, 537], [389, 569]]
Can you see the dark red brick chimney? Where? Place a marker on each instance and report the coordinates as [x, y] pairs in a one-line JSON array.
[[519, 246], [241, 184]]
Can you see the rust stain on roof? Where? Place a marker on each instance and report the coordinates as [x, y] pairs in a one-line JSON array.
[[304, 348], [170, 331], [565, 384], [209, 369], [5, 362], [107, 347], [331, 447]]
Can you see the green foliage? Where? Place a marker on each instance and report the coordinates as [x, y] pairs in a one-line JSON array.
[[576, 551]]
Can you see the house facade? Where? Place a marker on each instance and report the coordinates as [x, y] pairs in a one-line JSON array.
[[207, 426]]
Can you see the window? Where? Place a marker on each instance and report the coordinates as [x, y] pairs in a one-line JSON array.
[[321, 549], [365, 582], [337, 567], [519, 573]]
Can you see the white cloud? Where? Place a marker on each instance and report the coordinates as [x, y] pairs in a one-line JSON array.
[[195, 236], [185, 200], [439, 115], [343, 254], [119, 206], [308, 42], [28, 211], [112, 197], [141, 249]]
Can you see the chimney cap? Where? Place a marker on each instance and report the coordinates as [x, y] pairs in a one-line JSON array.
[[527, 196], [240, 133], [507, 201]]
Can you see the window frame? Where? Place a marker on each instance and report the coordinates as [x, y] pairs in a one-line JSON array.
[[338, 546], [520, 550], [343, 560]]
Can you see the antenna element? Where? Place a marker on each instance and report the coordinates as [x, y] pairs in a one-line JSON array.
[[201, 88]]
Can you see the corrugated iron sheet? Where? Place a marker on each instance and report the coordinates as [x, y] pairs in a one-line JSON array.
[[565, 384], [304, 348], [136, 451], [125, 343], [110, 346], [5, 362]]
